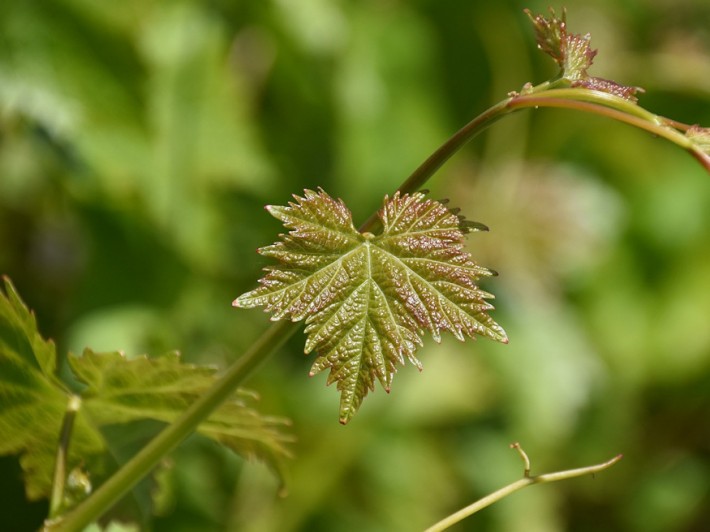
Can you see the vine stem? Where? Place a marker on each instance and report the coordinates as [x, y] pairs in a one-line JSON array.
[[147, 458], [437, 159], [616, 108], [548, 95], [544, 95], [527, 480]]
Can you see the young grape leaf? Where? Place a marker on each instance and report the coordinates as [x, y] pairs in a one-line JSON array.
[[366, 299], [33, 401], [574, 55]]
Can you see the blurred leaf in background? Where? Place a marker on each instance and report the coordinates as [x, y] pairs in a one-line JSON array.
[[117, 394], [138, 145]]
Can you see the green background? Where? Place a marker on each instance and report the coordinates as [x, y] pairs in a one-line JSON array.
[[140, 141]]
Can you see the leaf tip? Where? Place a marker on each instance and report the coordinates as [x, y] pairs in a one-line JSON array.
[[469, 226], [346, 414]]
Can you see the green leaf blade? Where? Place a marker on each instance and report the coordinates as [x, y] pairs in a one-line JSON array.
[[19, 335], [120, 390], [311, 257], [367, 299], [32, 400]]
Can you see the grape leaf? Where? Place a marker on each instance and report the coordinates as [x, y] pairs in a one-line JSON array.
[[33, 401], [367, 299], [574, 55], [120, 390]]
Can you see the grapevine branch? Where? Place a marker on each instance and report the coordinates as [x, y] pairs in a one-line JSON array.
[[549, 95], [559, 93], [545, 95]]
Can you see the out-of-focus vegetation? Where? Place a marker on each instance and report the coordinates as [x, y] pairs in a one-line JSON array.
[[139, 143]]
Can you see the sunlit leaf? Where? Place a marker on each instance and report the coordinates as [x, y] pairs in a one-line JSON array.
[[366, 298]]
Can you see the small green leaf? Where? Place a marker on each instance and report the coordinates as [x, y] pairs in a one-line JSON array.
[[366, 298]]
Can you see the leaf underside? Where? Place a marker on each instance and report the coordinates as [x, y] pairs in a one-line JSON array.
[[367, 300]]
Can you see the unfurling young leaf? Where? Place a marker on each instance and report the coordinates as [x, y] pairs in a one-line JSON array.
[[367, 299], [574, 55]]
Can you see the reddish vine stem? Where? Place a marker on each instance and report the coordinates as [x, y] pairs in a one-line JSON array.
[[669, 129], [585, 100]]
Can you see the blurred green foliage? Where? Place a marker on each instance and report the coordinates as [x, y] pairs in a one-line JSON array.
[[139, 143]]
